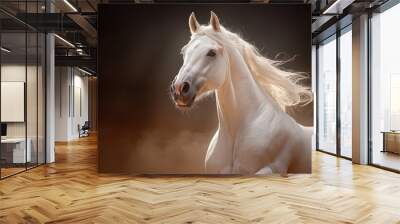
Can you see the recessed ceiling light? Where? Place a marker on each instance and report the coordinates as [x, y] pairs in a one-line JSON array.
[[65, 41], [84, 71], [70, 5]]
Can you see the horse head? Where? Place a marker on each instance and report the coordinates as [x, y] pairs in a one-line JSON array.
[[204, 64]]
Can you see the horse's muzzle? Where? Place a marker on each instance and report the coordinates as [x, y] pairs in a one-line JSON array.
[[183, 94]]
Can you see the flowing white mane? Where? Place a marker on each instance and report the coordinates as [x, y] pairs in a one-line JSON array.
[[282, 86]]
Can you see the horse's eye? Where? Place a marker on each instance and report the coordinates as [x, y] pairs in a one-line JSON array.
[[211, 53]]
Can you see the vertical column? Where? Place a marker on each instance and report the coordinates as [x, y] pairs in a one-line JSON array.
[[338, 91], [360, 90], [50, 92]]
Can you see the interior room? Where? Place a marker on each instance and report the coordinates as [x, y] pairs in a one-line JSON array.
[[229, 111]]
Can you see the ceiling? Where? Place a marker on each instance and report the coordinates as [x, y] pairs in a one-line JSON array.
[[76, 21]]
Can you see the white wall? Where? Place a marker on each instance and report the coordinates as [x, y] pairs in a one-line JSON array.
[[16, 73], [71, 102], [62, 81], [81, 98]]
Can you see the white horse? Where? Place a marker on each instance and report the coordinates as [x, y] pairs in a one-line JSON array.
[[255, 135]]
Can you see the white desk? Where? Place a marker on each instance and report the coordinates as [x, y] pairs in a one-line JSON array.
[[18, 149]]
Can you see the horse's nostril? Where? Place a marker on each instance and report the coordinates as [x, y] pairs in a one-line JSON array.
[[185, 87]]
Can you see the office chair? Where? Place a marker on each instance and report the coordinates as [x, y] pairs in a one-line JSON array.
[[84, 130]]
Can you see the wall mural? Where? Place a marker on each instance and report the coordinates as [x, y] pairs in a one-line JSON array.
[[231, 96]]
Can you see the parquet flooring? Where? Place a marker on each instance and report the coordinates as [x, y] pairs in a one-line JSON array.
[[71, 191], [10, 171]]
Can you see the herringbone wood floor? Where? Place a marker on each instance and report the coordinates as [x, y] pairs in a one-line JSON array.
[[71, 191]]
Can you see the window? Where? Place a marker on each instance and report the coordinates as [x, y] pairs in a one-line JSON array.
[[327, 96], [346, 92], [334, 106], [385, 89]]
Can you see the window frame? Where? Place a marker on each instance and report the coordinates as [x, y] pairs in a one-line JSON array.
[[334, 37]]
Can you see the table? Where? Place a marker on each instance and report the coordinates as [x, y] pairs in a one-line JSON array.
[[13, 150]]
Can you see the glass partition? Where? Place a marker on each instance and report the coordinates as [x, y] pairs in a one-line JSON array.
[[22, 101], [14, 155]]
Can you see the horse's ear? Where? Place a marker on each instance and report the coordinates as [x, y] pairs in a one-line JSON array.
[[214, 21], [193, 24]]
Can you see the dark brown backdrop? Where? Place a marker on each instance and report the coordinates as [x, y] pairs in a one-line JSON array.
[[140, 131]]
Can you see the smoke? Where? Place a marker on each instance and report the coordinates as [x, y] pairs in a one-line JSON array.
[[163, 152]]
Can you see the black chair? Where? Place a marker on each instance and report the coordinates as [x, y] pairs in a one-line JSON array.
[[84, 130]]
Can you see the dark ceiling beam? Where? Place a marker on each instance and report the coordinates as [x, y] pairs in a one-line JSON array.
[[54, 22], [91, 5], [86, 51], [49, 22], [327, 18], [74, 13], [84, 24], [331, 28], [11, 25], [321, 23], [15, 18], [76, 61], [337, 7]]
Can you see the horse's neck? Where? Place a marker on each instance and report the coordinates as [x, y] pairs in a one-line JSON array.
[[240, 97]]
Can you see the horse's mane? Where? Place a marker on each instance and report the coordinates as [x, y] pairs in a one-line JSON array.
[[283, 86]]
